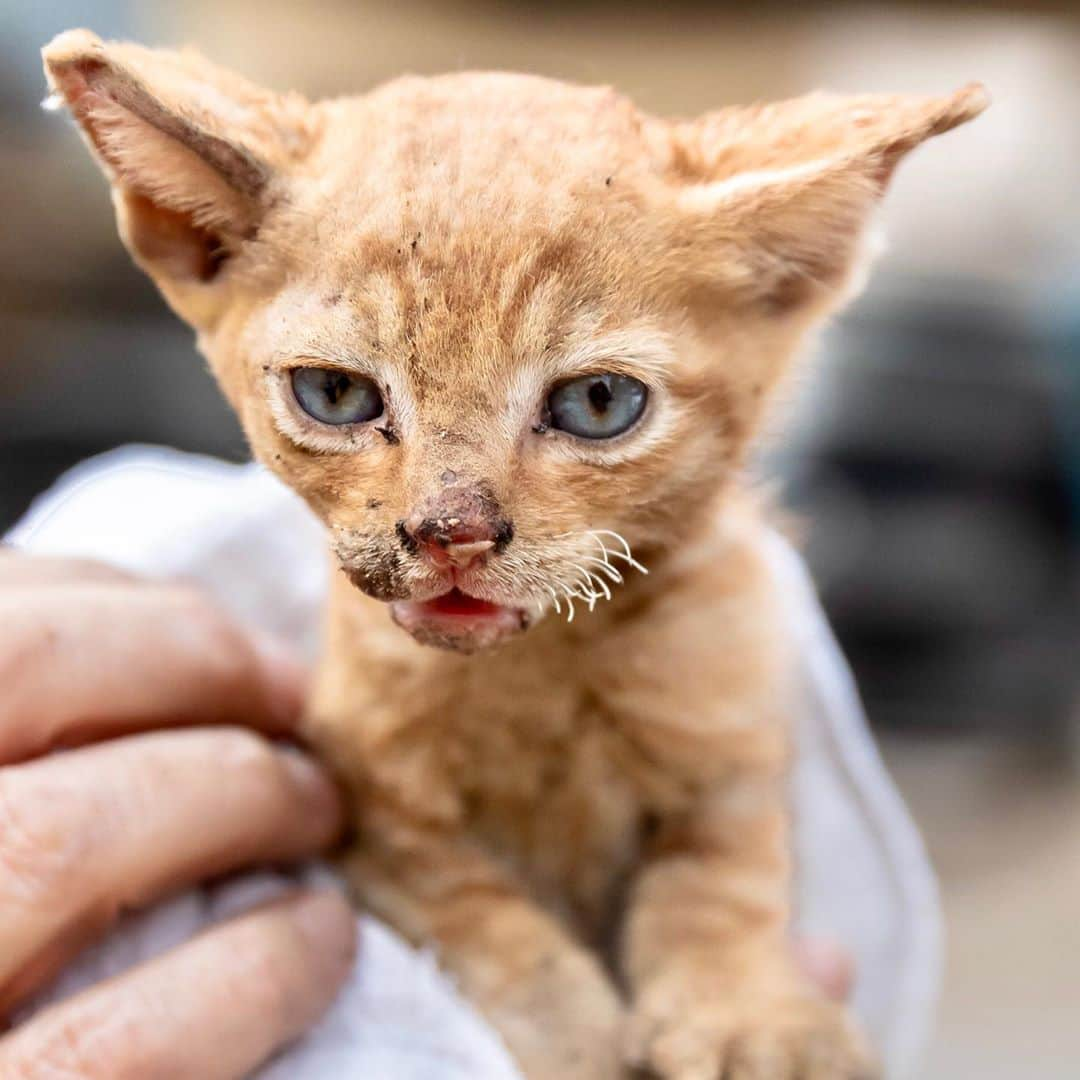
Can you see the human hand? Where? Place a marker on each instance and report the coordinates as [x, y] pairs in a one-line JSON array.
[[116, 673], [828, 965]]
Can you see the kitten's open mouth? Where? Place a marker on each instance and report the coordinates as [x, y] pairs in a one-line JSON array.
[[458, 621]]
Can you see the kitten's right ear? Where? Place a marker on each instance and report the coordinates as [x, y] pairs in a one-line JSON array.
[[195, 154]]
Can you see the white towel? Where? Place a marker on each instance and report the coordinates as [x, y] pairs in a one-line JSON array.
[[862, 875]]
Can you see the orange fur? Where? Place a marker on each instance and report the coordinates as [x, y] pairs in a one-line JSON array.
[[588, 822]]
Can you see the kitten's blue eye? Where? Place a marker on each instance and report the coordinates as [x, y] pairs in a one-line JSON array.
[[597, 406], [333, 396]]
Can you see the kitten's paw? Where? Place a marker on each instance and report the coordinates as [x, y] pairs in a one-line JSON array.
[[563, 1022], [753, 1036]]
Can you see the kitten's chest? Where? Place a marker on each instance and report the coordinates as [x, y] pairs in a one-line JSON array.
[[534, 768], [538, 755], [552, 791]]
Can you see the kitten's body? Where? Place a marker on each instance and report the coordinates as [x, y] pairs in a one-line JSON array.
[[547, 752], [546, 774], [588, 821]]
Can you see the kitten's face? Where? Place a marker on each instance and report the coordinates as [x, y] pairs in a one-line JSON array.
[[507, 337], [502, 423], [514, 448], [484, 385]]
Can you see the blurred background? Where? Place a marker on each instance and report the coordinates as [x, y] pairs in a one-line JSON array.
[[934, 457]]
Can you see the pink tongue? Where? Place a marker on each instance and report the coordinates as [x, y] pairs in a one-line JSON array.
[[457, 603]]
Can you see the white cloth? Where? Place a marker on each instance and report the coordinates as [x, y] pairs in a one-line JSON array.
[[862, 874]]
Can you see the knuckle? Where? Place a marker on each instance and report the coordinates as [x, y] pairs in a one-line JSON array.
[[55, 1050], [39, 854], [63, 1054], [75, 1047], [29, 644]]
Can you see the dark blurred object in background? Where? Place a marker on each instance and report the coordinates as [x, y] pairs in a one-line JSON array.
[[934, 472]]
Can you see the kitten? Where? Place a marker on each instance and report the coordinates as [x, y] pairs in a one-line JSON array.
[[510, 339]]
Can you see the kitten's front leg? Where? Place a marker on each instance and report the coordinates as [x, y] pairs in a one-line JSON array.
[[715, 992], [550, 1000]]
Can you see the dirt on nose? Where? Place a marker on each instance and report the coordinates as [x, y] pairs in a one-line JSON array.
[[460, 515]]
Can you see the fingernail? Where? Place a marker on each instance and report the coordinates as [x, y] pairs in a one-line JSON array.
[[284, 675], [321, 797], [329, 925]]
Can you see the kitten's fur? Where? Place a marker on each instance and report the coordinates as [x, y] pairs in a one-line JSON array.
[[611, 787]]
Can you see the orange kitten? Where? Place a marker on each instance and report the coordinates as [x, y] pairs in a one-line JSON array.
[[510, 339]]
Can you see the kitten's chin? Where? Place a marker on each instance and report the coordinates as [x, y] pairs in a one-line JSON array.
[[459, 622]]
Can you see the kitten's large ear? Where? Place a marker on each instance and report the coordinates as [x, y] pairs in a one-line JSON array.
[[773, 201], [195, 154]]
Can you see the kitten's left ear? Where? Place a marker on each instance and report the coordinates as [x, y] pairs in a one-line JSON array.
[[773, 201], [195, 154]]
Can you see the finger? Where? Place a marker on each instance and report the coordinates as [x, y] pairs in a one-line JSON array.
[[45, 967], [829, 967], [90, 832], [92, 661], [214, 1008], [20, 569]]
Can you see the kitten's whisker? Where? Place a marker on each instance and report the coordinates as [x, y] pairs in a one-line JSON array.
[[588, 578], [604, 553], [604, 587], [583, 588], [626, 554], [609, 570], [608, 553], [598, 586]]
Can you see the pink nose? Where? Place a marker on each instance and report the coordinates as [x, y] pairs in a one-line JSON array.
[[462, 556], [448, 541]]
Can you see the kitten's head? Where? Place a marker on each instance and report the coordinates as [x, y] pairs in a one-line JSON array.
[[508, 337]]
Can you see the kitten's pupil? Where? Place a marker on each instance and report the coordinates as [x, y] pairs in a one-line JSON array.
[[597, 406], [336, 397], [336, 385], [600, 395]]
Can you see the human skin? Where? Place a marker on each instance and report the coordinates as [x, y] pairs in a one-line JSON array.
[[164, 713]]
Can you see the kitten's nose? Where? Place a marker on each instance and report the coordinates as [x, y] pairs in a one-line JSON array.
[[464, 555], [453, 540]]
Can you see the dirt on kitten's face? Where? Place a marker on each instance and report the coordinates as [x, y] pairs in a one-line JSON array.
[[508, 337]]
